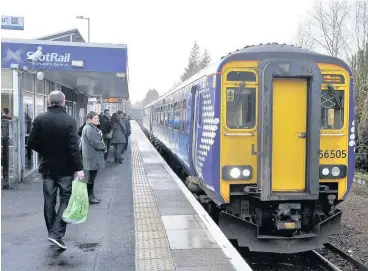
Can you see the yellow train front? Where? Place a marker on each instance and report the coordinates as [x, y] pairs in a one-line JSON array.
[[286, 146]]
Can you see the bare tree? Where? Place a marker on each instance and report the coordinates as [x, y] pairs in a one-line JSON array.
[[330, 21], [304, 37], [360, 32]]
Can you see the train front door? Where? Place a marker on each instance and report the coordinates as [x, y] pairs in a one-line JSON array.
[[289, 126]]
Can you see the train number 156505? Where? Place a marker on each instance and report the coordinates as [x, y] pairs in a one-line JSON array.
[[332, 153]]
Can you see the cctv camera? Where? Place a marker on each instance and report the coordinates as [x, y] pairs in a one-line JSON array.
[[35, 57]]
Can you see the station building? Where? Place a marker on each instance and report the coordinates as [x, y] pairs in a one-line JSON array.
[[93, 76]]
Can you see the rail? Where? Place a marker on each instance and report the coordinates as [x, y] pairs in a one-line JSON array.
[[358, 264]]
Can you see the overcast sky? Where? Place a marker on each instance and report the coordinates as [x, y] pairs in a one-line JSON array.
[[159, 34]]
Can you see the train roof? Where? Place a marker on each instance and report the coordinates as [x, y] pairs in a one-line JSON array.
[[258, 52]]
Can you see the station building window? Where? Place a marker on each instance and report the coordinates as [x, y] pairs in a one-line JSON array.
[[7, 90]]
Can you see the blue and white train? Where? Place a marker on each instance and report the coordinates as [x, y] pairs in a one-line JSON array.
[[265, 137]]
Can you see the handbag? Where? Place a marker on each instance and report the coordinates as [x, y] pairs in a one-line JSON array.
[[109, 134]]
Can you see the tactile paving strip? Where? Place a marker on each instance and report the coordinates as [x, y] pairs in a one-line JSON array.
[[151, 243]]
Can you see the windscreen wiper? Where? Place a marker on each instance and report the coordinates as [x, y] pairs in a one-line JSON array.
[[239, 91], [333, 91]]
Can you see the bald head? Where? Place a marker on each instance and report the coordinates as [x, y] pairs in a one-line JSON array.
[[56, 98]]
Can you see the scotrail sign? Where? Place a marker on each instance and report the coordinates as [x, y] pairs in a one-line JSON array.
[[52, 55], [12, 22], [36, 58]]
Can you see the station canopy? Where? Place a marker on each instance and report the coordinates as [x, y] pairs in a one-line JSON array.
[[96, 69]]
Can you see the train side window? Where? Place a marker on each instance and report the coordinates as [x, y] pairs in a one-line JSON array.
[[170, 115], [332, 110], [184, 114], [165, 115], [177, 115], [174, 115], [241, 76], [240, 108]]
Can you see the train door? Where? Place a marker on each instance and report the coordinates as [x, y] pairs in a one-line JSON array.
[[289, 126], [198, 125], [289, 110]]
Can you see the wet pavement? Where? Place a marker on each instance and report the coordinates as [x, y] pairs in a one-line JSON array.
[[147, 220], [104, 242]]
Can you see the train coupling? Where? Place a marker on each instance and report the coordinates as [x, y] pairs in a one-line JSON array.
[[287, 216]]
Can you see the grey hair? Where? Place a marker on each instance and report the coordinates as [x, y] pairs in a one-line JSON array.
[[56, 97], [91, 115]]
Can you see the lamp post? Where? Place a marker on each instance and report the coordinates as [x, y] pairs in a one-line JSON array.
[[85, 18]]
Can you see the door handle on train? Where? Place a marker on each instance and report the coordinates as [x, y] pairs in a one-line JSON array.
[[303, 135], [253, 152]]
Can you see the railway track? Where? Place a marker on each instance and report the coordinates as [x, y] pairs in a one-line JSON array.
[[336, 254], [305, 261]]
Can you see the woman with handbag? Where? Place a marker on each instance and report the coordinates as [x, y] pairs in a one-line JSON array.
[[93, 149], [118, 136]]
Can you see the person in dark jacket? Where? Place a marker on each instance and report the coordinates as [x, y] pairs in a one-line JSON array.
[[5, 115], [128, 130], [105, 128], [118, 136], [81, 128], [54, 136]]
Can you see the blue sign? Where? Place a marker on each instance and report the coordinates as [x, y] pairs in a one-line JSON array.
[[12, 22], [50, 55]]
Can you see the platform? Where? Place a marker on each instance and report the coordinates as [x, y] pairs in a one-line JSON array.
[[147, 220]]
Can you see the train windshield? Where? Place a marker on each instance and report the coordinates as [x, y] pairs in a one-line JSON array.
[[240, 107], [332, 109]]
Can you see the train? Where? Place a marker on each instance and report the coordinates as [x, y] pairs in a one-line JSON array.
[[265, 140]]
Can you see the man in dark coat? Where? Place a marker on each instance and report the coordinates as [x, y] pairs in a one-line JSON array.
[[129, 129], [105, 127], [5, 114], [54, 136]]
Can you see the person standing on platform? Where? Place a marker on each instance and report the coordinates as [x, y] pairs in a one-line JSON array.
[[118, 136], [105, 128], [93, 149], [5, 115], [54, 136], [128, 130]]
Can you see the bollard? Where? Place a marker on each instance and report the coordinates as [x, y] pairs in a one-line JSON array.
[[5, 153]]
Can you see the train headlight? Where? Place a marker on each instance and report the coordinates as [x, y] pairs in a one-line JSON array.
[[335, 171], [246, 172], [332, 171], [325, 171], [235, 173]]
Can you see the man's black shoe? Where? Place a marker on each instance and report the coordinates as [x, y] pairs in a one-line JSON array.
[[57, 242]]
